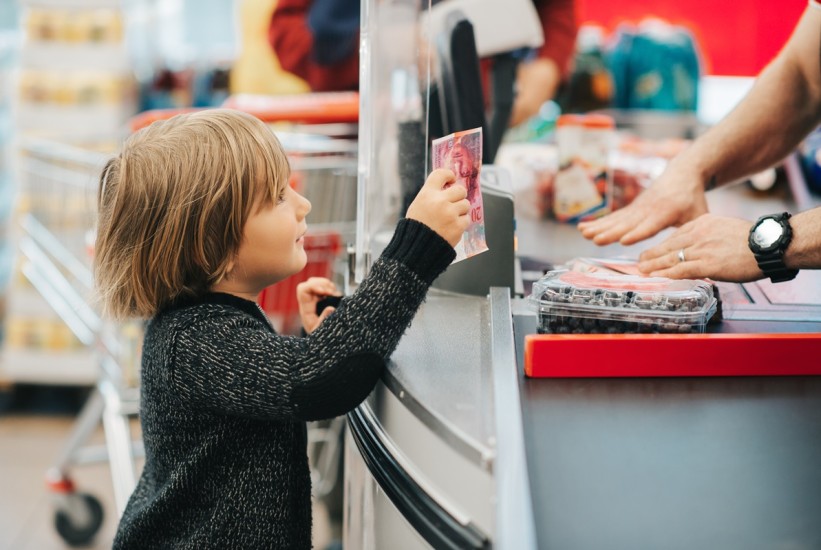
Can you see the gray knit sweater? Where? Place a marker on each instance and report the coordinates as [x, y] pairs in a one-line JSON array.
[[225, 400]]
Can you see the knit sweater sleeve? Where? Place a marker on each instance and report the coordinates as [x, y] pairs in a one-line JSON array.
[[237, 367]]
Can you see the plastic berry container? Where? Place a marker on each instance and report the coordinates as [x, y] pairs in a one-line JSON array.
[[573, 302]]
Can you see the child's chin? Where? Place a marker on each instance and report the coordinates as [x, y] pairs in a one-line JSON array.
[[302, 264]]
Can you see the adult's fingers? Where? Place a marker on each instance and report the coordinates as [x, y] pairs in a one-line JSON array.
[[662, 261], [644, 230], [696, 269], [594, 227], [610, 228]]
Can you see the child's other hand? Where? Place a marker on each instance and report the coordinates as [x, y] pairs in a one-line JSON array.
[[308, 294], [442, 206]]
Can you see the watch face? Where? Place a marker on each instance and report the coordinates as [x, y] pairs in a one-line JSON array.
[[767, 233]]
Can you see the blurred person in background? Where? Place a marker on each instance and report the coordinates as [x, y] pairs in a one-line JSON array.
[[780, 110], [318, 41]]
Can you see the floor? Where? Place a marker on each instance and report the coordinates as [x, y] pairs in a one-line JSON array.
[[31, 437], [29, 443]]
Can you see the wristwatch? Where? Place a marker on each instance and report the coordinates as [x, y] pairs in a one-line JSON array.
[[769, 238]]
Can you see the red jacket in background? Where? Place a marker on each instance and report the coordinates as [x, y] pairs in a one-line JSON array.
[[292, 41]]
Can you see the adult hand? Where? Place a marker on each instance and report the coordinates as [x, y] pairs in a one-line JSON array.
[[308, 293], [442, 206], [675, 198], [713, 247]]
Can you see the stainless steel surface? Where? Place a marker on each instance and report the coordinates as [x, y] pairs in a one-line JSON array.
[[675, 463], [369, 518], [442, 372], [515, 527], [404, 474], [450, 411], [421, 454]]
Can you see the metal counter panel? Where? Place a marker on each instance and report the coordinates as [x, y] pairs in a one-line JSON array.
[[442, 372], [676, 463]]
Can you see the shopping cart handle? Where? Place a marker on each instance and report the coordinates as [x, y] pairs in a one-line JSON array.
[[145, 118], [314, 108]]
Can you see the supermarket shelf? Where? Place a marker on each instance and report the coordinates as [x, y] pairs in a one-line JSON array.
[[58, 367], [83, 122], [103, 57]]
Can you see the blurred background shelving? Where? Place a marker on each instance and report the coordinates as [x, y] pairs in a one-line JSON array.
[[75, 72]]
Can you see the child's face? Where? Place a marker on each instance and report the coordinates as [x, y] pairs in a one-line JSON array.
[[272, 244]]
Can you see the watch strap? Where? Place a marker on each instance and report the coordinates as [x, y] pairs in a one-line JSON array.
[[772, 266]]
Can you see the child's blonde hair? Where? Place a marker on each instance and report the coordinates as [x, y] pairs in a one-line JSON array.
[[173, 205]]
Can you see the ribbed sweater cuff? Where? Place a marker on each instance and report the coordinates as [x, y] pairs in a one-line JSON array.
[[420, 248]]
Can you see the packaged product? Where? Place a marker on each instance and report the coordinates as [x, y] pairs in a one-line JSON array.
[[581, 188], [577, 302]]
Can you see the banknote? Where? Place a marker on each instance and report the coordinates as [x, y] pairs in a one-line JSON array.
[[462, 153]]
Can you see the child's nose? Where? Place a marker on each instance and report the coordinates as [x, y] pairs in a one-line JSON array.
[[305, 205]]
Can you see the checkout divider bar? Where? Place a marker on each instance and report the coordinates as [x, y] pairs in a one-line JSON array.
[[514, 507], [440, 527]]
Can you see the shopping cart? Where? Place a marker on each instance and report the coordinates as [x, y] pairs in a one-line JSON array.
[[57, 215], [58, 211]]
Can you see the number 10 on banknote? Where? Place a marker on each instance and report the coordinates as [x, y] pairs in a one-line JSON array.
[[461, 152]]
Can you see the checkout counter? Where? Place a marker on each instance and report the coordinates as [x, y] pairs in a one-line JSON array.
[[455, 448]]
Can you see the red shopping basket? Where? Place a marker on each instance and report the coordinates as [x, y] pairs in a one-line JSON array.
[[279, 300]]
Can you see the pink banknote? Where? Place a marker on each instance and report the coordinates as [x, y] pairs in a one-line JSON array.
[[462, 153]]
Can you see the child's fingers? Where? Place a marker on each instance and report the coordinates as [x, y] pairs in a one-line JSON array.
[[326, 313], [462, 206], [441, 178], [456, 192], [316, 286]]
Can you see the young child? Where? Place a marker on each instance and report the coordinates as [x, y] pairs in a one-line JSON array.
[[195, 219]]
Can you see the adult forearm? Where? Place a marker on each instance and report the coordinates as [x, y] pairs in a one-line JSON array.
[[782, 107], [764, 128], [804, 251]]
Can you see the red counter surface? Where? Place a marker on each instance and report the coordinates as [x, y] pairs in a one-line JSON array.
[[652, 355]]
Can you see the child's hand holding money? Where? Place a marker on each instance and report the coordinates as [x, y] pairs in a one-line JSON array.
[[442, 206]]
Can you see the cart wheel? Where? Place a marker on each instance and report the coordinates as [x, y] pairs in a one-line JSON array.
[[79, 520]]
